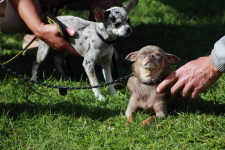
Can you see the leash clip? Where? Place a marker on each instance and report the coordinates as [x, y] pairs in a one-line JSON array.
[[62, 90]]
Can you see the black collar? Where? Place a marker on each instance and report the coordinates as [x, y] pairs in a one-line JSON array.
[[150, 83], [101, 37]]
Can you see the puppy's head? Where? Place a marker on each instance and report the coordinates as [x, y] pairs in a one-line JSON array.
[[115, 19], [152, 58]]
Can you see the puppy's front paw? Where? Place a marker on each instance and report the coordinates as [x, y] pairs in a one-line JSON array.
[[148, 121], [115, 94], [126, 124], [100, 98]]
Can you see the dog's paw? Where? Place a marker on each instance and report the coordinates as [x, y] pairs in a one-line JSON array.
[[126, 124], [148, 121], [100, 98], [115, 94]]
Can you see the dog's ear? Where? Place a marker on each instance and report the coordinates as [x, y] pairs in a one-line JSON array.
[[130, 5], [172, 58], [99, 14], [131, 56]]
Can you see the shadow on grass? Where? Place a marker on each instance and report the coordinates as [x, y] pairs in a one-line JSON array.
[[197, 8], [15, 110], [199, 106], [184, 41]]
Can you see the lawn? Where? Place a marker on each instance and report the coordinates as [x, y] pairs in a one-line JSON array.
[[37, 117]]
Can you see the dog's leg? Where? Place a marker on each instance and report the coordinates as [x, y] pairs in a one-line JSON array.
[[160, 111], [89, 66], [34, 70], [131, 110], [58, 59], [130, 114], [106, 70], [42, 52], [130, 119]]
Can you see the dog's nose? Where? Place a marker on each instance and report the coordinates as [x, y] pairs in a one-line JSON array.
[[151, 56], [128, 30]]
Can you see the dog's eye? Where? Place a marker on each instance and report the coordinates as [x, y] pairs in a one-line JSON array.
[[118, 24], [142, 56], [158, 55]]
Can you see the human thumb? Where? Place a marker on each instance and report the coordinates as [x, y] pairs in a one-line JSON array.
[[71, 32]]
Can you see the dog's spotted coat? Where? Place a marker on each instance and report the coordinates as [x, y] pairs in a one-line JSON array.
[[87, 42]]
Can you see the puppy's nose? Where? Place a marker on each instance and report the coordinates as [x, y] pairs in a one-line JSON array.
[[128, 29], [151, 56]]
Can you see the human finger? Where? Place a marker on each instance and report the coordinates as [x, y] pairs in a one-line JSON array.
[[187, 91], [71, 32], [175, 89], [194, 94], [166, 82]]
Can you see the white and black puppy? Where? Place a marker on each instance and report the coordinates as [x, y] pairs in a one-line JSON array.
[[151, 66], [94, 41]]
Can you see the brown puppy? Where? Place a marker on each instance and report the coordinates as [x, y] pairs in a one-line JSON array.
[[150, 67]]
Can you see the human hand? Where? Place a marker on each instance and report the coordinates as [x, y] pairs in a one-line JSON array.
[[191, 79], [50, 35]]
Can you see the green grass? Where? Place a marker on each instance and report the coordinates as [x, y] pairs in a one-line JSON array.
[[36, 117]]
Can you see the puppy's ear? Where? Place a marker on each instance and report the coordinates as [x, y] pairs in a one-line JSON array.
[[130, 5], [99, 14], [132, 56], [172, 58]]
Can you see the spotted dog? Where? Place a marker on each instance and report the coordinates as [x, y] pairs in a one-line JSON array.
[[94, 41]]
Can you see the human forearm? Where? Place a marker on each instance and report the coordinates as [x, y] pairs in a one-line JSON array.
[[30, 15]]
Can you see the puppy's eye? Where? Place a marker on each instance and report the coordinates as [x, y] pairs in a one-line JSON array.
[[143, 55], [158, 55], [118, 24]]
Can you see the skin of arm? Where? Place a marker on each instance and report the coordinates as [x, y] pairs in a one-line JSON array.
[[48, 33], [191, 79]]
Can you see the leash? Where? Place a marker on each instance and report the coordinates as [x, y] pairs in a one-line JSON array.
[[17, 55], [54, 21], [63, 89]]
